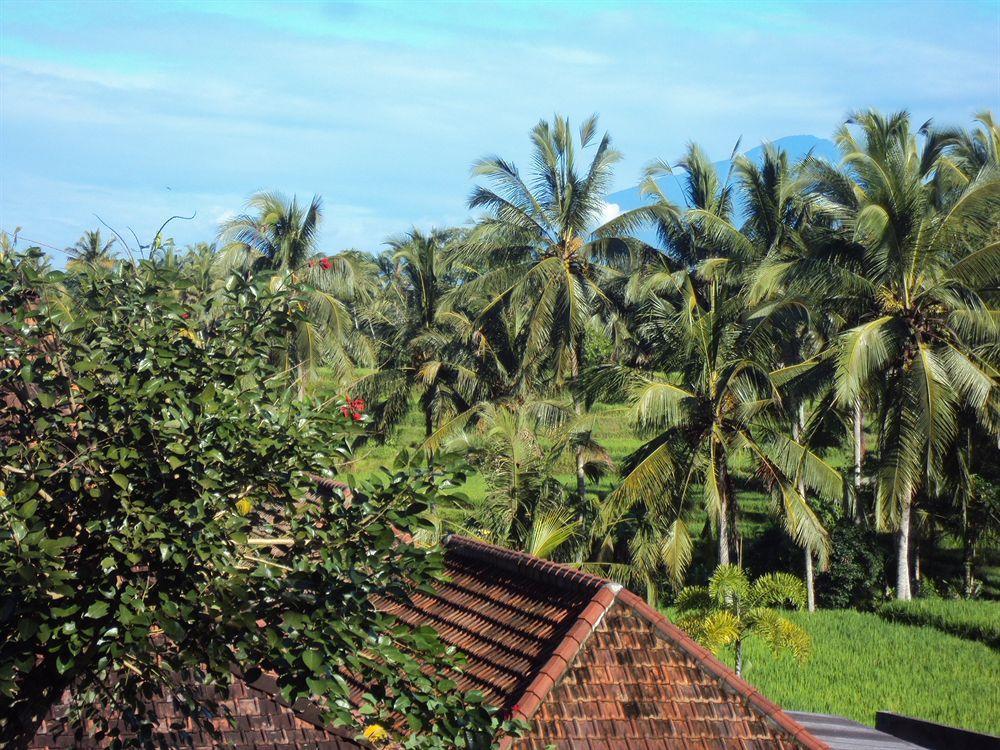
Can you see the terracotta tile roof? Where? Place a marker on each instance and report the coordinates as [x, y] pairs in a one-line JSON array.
[[506, 622], [589, 663], [622, 675], [262, 722]]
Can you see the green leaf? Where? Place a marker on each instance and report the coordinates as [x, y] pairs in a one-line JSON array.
[[120, 479], [313, 659], [97, 610]]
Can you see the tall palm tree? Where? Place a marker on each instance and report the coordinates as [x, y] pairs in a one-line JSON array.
[[713, 409], [546, 254], [701, 390], [273, 234], [973, 149], [777, 226], [918, 250], [279, 236], [91, 249]]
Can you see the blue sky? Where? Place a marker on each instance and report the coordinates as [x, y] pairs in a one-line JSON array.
[[137, 111]]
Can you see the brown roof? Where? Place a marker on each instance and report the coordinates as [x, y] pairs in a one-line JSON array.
[[590, 664], [262, 722]]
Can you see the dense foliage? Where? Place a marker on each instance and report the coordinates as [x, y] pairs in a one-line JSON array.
[[159, 520], [855, 577]]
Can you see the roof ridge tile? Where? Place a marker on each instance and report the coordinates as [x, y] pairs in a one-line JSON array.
[[562, 657], [522, 563]]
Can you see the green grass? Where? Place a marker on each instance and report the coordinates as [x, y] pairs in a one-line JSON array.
[[977, 620], [862, 664]]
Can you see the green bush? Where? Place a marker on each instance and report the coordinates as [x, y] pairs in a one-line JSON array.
[[855, 577], [972, 619], [157, 519]]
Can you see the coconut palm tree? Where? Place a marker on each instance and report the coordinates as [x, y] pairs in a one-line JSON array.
[[777, 226], [273, 234], [731, 610], [918, 250], [91, 250], [279, 236], [973, 149], [700, 389], [545, 252], [706, 404], [440, 354]]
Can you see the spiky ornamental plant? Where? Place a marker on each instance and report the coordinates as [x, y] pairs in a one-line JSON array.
[[731, 610], [279, 236], [548, 257]]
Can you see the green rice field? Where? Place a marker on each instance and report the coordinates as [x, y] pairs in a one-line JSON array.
[[862, 664]]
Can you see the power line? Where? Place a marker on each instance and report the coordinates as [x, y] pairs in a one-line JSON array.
[[43, 244]]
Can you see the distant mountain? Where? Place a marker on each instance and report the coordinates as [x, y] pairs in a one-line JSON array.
[[797, 146]]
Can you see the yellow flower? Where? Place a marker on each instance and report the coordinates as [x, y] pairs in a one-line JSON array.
[[2, 493], [376, 733], [244, 506], [191, 335]]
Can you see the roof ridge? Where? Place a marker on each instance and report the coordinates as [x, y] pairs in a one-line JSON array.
[[729, 679], [548, 676], [522, 563]]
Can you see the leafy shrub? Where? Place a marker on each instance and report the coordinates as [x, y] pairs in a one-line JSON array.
[[156, 519], [975, 620], [856, 574]]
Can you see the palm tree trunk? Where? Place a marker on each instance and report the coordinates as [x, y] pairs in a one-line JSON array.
[[739, 657], [302, 379], [810, 584], [858, 458], [968, 549], [724, 528], [578, 407], [968, 580], [903, 555], [798, 432]]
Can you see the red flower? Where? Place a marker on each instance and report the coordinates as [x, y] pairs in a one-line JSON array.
[[325, 264], [185, 315], [354, 408]]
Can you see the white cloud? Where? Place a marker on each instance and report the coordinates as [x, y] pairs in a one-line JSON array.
[[608, 212]]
